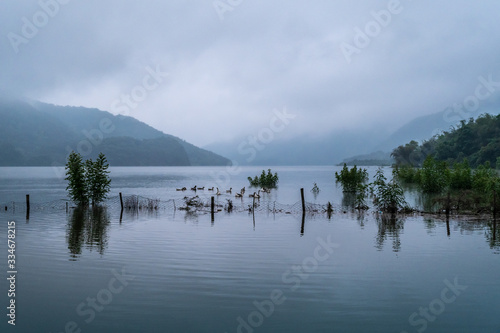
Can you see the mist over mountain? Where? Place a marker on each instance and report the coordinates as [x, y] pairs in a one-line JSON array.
[[349, 145], [302, 150], [425, 127], [39, 134]]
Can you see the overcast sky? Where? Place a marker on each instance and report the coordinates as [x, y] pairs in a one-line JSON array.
[[230, 63]]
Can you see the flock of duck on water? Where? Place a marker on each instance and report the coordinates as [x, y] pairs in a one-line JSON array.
[[230, 191]]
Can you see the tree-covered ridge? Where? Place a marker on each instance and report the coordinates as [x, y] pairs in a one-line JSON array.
[[478, 141], [38, 134]]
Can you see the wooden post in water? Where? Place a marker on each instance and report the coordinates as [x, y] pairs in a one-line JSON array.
[[253, 210], [303, 201], [121, 200], [448, 226], [67, 207], [303, 225], [212, 208], [27, 206]]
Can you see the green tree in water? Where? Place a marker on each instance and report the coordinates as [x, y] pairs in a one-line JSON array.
[[75, 175], [88, 182], [98, 182]]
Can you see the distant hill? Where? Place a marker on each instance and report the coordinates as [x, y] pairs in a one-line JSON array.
[[302, 150], [477, 140], [378, 158], [39, 134], [424, 127], [348, 144]]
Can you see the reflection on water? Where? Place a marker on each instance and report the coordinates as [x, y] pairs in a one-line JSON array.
[[303, 225], [348, 200], [389, 225], [426, 202], [360, 217], [87, 227], [204, 275], [493, 235]]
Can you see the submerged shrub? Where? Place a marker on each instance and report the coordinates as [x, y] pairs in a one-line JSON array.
[[351, 179], [407, 174], [265, 180], [434, 176], [315, 190], [132, 203], [360, 199], [229, 207], [388, 196], [461, 176], [484, 177]]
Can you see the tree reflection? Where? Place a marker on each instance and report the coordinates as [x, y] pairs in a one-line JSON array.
[[389, 225], [75, 232], [427, 202], [493, 235], [360, 217], [348, 200], [430, 224], [87, 227]]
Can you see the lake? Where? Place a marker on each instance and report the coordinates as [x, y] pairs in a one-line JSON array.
[[168, 270]]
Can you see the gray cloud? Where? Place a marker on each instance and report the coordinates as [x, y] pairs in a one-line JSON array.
[[226, 77]]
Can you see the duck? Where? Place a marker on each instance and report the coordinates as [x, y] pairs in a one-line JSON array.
[[211, 189], [218, 192], [265, 190], [255, 195], [243, 190], [239, 195], [193, 188], [181, 189], [230, 190], [201, 188]]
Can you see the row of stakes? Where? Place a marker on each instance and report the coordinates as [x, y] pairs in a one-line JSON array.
[[212, 205]]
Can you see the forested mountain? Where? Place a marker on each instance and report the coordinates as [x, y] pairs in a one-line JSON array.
[[39, 134], [424, 127], [477, 140]]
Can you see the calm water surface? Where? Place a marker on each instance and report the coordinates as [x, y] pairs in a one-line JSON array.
[[176, 272]]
